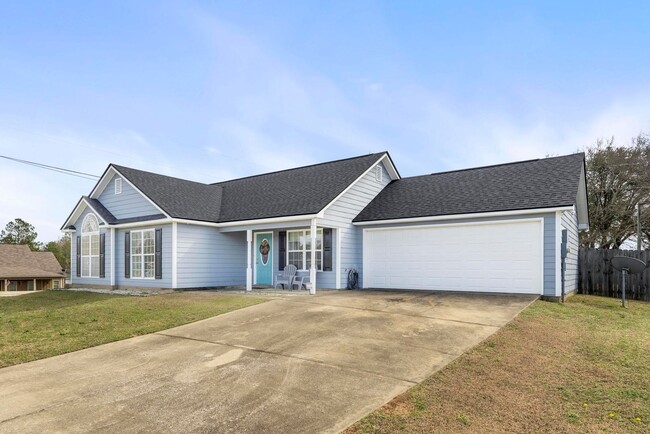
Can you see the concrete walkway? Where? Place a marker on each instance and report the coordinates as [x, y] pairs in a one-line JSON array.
[[291, 365], [16, 293]]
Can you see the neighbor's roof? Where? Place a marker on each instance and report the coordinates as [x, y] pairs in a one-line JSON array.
[[300, 191], [17, 261], [543, 183]]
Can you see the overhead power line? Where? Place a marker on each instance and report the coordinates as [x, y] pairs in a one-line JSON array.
[[54, 168]]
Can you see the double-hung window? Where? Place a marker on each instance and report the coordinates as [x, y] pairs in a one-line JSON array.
[[299, 249], [143, 254], [90, 247]]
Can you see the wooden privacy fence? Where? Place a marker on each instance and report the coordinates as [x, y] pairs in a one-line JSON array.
[[598, 277]]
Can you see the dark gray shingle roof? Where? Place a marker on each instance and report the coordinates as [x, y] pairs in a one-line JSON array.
[[303, 190], [177, 197], [100, 209], [543, 183]]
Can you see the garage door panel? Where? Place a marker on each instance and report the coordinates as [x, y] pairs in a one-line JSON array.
[[491, 257]]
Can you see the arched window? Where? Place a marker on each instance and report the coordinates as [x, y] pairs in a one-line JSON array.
[[90, 247]]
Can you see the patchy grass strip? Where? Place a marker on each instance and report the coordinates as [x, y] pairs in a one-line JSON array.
[[579, 367], [49, 323]]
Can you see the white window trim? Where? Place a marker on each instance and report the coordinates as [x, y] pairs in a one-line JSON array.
[[118, 185], [303, 232], [90, 235], [143, 255]]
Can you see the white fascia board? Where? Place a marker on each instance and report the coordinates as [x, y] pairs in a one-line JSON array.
[[216, 225], [582, 202], [256, 222], [463, 216], [77, 212], [389, 167], [142, 223], [97, 191], [103, 182]]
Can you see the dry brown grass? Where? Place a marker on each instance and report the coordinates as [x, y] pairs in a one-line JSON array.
[[580, 367]]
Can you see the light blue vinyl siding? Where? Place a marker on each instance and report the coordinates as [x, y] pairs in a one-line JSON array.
[[166, 281], [570, 223], [91, 281], [127, 204], [340, 216], [208, 257], [549, 240]]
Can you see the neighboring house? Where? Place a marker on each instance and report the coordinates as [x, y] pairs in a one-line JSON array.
[[24, 270], [489, 229]]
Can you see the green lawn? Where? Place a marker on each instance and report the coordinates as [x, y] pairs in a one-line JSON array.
[[579, 367], [48, 323]]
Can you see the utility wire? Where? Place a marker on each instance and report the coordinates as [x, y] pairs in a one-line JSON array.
[[53, 168]]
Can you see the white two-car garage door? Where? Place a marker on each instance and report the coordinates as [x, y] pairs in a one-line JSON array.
[[505, 256]]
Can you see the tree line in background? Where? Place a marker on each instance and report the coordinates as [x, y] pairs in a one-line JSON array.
[[21, 232], [618, 178]]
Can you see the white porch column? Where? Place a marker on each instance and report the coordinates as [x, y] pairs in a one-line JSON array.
[[34, 288], [249, 268], [312, 269], [113, 244], [174, 255]]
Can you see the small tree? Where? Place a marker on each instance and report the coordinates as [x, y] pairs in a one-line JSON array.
[[20, 232], [61, 250]]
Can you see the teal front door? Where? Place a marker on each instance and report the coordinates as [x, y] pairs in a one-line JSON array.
[[264, 258]]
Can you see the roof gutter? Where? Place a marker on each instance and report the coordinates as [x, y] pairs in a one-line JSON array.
[[259, 221], [463, 216], [213, 224]]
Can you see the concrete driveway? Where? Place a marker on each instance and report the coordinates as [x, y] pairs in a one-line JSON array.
[[293, 364]]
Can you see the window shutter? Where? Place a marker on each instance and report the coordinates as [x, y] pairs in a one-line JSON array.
[[282, 257], [327, 249], [127, 254], [78, 256], [102, 255], [158, 264]]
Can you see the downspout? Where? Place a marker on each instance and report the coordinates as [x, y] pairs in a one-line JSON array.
[[563, 253]]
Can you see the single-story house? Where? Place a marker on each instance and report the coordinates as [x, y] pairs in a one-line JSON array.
[[487, 229], [24, 270]]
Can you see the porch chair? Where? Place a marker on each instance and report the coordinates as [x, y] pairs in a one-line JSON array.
[[301, 281], [286, 277]]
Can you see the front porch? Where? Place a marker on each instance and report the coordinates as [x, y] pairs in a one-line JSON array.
[[271, 248]]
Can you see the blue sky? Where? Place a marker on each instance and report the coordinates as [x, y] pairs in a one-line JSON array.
[[215, 90]]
